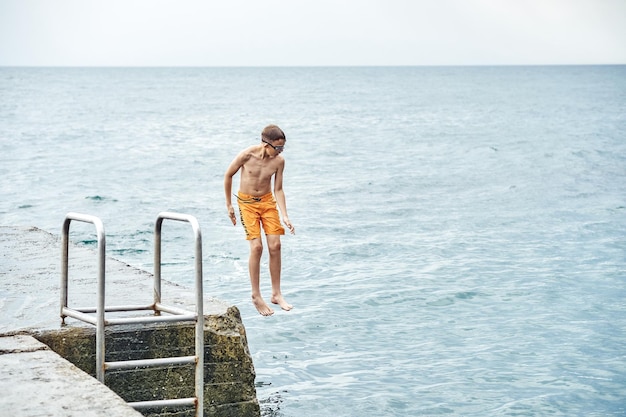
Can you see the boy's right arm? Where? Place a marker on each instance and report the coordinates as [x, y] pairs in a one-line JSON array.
[[228, 183], [228, 188]]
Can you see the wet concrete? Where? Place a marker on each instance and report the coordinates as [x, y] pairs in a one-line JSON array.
[[30, 277]]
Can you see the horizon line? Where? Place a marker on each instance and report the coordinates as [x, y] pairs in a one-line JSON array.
[[316, 66]]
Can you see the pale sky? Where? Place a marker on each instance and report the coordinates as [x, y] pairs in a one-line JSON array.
[[311, 32]]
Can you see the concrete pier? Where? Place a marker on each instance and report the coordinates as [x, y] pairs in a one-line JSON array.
[[29, 310], [35, 382]]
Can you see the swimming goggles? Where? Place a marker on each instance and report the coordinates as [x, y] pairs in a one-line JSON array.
[[278, 149]]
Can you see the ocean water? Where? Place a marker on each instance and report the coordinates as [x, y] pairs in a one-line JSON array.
[[460, 244]]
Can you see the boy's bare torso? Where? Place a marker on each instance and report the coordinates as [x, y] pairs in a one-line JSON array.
[[257, 171]]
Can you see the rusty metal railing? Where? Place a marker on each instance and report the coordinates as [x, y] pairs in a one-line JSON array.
[[176, 314]]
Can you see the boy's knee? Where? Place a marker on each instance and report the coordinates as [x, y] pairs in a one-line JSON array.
[[274, 246], [256, 247]]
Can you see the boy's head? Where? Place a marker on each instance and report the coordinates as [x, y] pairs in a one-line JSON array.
[[272, 133]]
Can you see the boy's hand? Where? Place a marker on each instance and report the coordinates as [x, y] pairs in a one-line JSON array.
[[231, 214], [289, 225]]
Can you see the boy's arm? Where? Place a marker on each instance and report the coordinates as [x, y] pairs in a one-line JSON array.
[[228, 186], [279, 194]]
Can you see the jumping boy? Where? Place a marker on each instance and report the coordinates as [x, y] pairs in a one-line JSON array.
[[257, 206]]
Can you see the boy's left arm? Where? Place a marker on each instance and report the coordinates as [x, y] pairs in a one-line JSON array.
[[279, 194]]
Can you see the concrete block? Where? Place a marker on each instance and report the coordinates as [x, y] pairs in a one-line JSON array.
[[36, 382]]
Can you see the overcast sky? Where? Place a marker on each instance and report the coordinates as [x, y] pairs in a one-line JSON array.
[[311, 32]]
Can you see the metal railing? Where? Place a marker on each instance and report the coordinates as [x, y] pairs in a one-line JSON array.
[[177, 314]]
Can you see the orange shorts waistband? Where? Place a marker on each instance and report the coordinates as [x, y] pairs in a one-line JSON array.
[[247, 198]]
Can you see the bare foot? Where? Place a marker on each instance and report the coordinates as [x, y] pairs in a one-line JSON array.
[[261, 306], [278, 299]]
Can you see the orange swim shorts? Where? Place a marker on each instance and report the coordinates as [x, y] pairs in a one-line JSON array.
[[257, 211]]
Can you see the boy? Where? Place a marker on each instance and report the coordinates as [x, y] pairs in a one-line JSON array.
[[257, 206]]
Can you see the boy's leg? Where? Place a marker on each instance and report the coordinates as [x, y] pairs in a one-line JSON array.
[[254, 268], [274, 247]]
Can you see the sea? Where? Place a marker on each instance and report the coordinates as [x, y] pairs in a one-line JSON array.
[[460, 245]]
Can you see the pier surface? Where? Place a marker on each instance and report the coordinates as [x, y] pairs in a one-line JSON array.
[[30, 277]]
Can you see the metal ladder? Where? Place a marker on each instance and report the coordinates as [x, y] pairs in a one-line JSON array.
[[177, 314]]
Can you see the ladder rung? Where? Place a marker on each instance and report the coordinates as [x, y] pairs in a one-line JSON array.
[[149, 307], [172, 310], [151, 319], [68, 312], [178, 314], [178, 360], [164, 403]]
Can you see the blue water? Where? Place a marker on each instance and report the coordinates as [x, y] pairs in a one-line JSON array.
[[461, 231]]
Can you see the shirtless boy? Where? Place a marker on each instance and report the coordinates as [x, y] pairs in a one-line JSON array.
[[257, 206]]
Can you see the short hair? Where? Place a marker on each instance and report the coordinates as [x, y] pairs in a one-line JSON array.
[[273, 132]]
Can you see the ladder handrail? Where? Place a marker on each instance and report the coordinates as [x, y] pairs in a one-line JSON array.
[[199, 333], [101, 271], [179, 314]]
